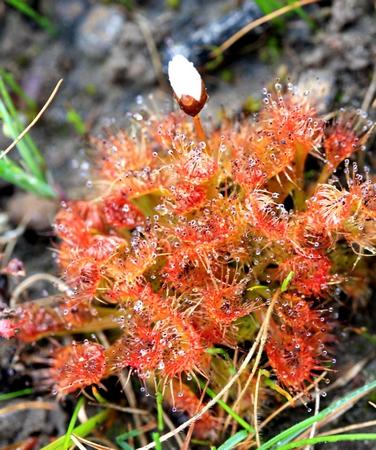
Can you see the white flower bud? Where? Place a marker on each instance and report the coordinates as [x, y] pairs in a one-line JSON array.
[[184, 78], [187, 85]]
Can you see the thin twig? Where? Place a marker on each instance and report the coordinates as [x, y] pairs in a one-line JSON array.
[[335, 414], [251, 375], [370, 94], [254, 368], [25, 284], [119, 408], [152, 48], [317, 409], [171, 426], [292, 401], [212, 402], [350, 374], [10, 240], [31, 124], [255, 409], [33, 404], [354, 426], [15, 233], [127, 388], [90, 443], [255, 23], [190, 429], [77, 443]]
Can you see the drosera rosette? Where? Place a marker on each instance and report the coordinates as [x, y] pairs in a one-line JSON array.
[[193, 231]]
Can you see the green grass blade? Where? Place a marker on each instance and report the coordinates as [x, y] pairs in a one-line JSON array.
[[12, 173], [26, 146], [330, 438], [28, 11], [125, 446], [15, 394], [81, 431], [156, 439], [287, 281], [17, 89], [231, 442], [268, 6], [286, 436], [303, 14], [74, 118], [72, 423], [120, 440], [249, 428], [159, 399], [222, 352]]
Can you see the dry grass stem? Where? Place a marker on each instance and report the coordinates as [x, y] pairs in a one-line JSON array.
[[317, 409], [152, 48], [334, 415], [25, 284], [127, 388], [120, 408], [33, 122], [232, 380], [370, 94], [263, 339], [255, 409], [292, 401], [254, 24], [77, 443], [81, 440], [355, 426], [33, 404]]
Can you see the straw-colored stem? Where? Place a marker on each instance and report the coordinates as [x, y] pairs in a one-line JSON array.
[[199, 128]]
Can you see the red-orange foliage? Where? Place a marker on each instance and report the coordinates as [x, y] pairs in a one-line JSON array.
[[182, 399], [297, 341], [182, 233], [78, 365]]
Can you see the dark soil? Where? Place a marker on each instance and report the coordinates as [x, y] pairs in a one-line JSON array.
[[102, 52]]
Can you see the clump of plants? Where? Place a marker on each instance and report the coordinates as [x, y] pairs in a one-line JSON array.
[[205, 253]]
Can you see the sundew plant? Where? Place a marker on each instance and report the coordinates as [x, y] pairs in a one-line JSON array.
[[199, 244]]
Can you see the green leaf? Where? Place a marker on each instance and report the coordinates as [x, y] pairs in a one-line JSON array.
[[221, 351], [14, 129], [17, 89], [330, 438], [26, 146], [120, 440], [229, 410], [303, 14], [240, 436], [12, 173], [81, 431], [288, 435], [270, 383], [74, 118], [15, 394], [72, 423], [159, 398], [156, 439], [28, 11], [127, 435], [32, 177], [287, 281]]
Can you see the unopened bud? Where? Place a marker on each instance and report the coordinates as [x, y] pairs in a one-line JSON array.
[[187, 84]]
